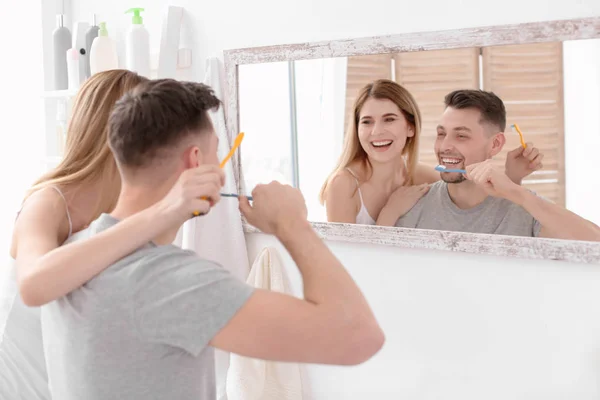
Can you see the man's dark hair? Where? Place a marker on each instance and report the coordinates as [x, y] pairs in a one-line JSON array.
[[156, 115], [491, 106]]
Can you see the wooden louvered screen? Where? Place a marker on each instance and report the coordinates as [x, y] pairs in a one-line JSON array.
[[361, 71], [429, 76], [529, 79]]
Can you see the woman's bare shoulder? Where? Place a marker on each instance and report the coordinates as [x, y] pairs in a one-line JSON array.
[[343, 184], [47, 199], [425, 174], [44, 211]]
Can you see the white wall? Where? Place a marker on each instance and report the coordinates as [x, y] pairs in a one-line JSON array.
[[467, 327], [229, 24], [21, 129], [458, 326]]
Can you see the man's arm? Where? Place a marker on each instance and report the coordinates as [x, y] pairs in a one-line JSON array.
[[557, 222], [332, 325]]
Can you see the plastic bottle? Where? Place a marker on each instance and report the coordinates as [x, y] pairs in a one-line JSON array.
[[137, 45], [72, 58], [90, 35], [103, 55], [61, 43]]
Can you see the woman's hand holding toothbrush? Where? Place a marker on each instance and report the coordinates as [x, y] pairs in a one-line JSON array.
[[522, 162]]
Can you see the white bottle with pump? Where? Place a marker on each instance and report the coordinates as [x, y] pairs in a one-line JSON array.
[[103, 55], [137, 45]]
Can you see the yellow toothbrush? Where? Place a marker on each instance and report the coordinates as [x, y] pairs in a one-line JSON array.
[[236, 144], [516, 127]]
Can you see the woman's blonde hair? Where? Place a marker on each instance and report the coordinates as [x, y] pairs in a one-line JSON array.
[[353, 151], [87, 157]]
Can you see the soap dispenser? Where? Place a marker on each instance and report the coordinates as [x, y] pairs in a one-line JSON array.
[[137, 45], [103, 55]]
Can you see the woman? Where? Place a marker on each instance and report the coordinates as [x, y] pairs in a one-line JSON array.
[[66, 200], [378, 176]]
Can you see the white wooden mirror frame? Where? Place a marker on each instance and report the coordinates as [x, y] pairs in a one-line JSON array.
[[498, 245]]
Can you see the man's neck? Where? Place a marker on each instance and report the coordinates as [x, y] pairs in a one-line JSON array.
[[466, 194], [134, 199]]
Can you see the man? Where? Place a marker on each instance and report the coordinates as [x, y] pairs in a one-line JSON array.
[[485, 200], [145, 327]]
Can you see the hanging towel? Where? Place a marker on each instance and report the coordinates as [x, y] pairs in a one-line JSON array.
[[219, 235], [253, 379]]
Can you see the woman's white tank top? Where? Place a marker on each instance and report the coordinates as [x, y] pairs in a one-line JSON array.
[[22, 364]]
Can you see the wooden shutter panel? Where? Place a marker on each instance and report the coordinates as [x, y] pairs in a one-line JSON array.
[[430, 76], [361, 71], [529, 79]]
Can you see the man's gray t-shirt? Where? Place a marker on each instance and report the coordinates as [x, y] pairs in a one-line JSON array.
[[436, 210], [141, 328]]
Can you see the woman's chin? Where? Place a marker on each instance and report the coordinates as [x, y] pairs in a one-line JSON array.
[[389, 155]]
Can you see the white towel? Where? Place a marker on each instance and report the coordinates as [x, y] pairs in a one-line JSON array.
[[219, 235], [252, 379]]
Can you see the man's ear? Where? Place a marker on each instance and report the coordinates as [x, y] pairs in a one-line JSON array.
[[497, 143], [192, 157]]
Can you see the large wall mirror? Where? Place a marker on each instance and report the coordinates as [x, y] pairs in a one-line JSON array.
[[295, 105]]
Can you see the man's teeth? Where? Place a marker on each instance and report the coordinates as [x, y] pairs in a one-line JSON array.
[[384, 143], [450, 160]]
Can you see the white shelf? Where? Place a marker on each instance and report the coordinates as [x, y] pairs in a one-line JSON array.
[[59, 94]]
